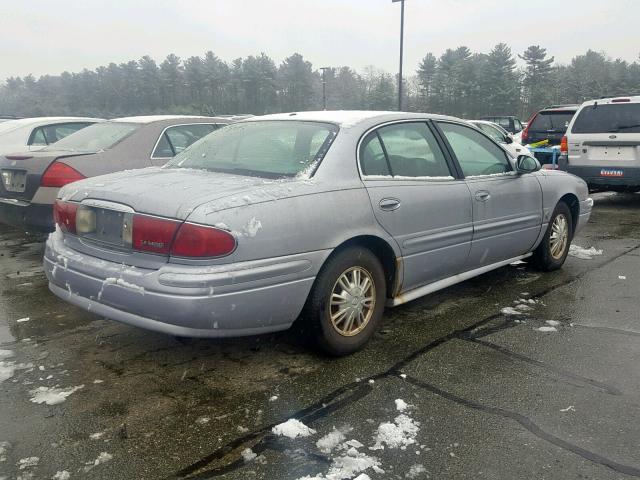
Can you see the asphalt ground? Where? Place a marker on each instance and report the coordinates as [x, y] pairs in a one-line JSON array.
[[487, 394]]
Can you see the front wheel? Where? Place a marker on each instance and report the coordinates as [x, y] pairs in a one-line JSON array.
[[346, 304], [554, 247]]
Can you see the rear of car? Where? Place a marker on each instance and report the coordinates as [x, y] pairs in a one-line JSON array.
[[602, 144], [548, 124]]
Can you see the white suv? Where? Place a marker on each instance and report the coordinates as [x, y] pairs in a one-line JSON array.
[[602, 144]]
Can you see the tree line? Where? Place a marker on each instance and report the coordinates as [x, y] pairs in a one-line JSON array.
[[459, 82]]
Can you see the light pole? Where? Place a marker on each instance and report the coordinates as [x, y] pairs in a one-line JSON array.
[[401, 51], [324, 86]]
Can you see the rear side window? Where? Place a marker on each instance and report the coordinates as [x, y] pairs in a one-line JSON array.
[[48, 134], [614, 118], [373, 161], [97, 137], [476, 154], [493, 132], [551, 122], [175, 139], [37, 137]]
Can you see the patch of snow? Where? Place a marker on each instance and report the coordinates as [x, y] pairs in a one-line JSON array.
[[553, 323], [203, 420], [293, 428], [400, 433], [6, 353], [52, 395], [22, 320], [96, 436], [415, 471], [252, 227], [273, 398], [583, 253], [104, 457], [403, 375], [330, 441], [242, 429], [570, 408], [97, 380], [248, 455], [547, 329], [622, 277], [28, 462], [61, 475], [518, 262], [510, 311], [350, 464], [401, 405]]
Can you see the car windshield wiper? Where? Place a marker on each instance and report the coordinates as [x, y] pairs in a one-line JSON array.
[[624, 127]]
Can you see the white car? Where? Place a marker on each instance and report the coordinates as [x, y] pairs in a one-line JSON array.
[[31, 134], [501, 136]]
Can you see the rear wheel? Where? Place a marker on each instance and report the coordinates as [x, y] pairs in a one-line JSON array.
[[346, 304], [554, 247]]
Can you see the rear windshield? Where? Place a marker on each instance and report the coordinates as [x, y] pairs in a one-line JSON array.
[[621, 117], [551, 122], [95, 138], [270, 149]]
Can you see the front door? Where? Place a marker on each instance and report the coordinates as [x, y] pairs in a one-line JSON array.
[[507, 207], [417, 200]]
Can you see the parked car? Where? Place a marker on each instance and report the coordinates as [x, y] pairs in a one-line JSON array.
[[602, 144], [32, 134], [30, 181], [550, 124], [327, 216], [500, 135], [510, 123]]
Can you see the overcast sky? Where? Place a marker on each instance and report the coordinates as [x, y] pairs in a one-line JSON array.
[[46, 36]]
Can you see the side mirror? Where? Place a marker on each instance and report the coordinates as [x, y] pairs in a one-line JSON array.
[[508, 139], [527, 164]]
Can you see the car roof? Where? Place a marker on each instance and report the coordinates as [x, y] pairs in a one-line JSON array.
[[560, 108], [614, 100], [35, 121], [348, 118], [160, 118]]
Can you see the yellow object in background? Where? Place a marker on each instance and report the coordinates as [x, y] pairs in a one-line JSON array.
[[541, 143]]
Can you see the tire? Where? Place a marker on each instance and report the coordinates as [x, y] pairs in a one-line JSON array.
[[344, 335], [548, 256]]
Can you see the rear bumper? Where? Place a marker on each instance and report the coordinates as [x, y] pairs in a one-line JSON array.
[[246, 298], [595, 180], [32, 216]]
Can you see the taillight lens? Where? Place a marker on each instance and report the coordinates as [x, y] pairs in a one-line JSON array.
[[151, 234], [60, 174], [525, 132], [64, 214], [564, 145], [201, 241]]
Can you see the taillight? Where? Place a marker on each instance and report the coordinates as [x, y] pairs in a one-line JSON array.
[[564, 145], [151, 234], [64, 214], [60, 174], [201, 241], [525, 132]]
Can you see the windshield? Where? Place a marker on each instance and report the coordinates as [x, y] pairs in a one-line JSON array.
[[94, 138], [623, 118], [551, 121], [269, 149]]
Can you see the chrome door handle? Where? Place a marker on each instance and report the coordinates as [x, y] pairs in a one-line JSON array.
[[389, 204], [483, 196]]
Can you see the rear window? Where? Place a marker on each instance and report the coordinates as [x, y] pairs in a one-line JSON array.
[[551, 122], [622, 117], [270, 149], [97, 137]]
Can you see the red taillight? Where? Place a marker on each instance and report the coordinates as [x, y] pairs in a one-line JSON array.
[[60, 174], [525, 132], [200, 241], [564, 145], [151, 234], [64, 214]]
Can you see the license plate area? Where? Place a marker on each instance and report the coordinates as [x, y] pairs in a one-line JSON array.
[[611, 172], [110, 228], [14, 180], [612, 153]]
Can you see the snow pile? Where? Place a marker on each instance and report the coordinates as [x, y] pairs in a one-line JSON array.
[[400, 433], [28, 462], [8, 368], [22, 320], [583, 253], [401, 405], [293, 428], [416, 471], [104, 457], [61, 475], [248, 454], [52, 395], [6, 353], [510, 311], [330, 441], [547, 329], [552, 323], [351, 463]]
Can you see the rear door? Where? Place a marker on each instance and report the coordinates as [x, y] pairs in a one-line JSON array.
[[418, 199], [507, 208]]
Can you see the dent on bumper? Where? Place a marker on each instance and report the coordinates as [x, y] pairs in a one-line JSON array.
[[256, 299]]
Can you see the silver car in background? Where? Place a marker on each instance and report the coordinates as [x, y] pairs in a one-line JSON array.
[[326, 217], [31, 180]]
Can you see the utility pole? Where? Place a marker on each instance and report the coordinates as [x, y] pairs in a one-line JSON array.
[[401, 52], [324, 86]]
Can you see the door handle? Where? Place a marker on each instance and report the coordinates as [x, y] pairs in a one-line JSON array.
[[483, 196], [389, 204]]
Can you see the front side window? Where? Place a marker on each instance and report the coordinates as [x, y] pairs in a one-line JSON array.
[[411, 151], [97, 137], [613, 118], [476, 154], [270, 149]]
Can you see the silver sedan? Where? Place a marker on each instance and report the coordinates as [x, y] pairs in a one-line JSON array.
[[320, 217]]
